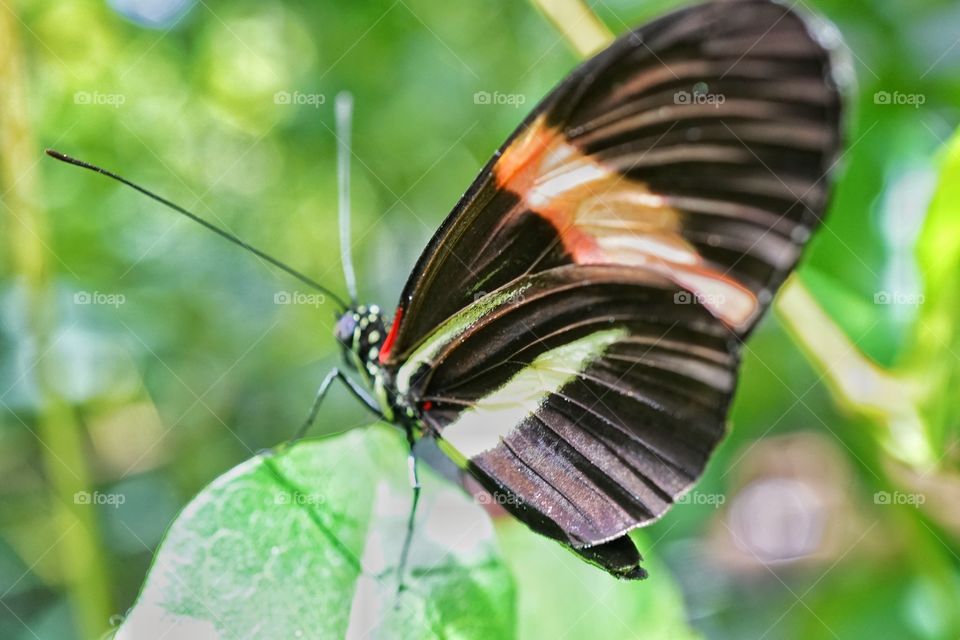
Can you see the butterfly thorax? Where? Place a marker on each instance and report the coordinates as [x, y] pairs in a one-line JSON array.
[[361, 332]]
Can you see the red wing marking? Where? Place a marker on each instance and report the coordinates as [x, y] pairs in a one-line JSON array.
[[603, 217], [391, 337]]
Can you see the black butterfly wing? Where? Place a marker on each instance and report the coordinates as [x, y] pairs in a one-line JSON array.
[[701, 143], [570, 334], [583, 397]]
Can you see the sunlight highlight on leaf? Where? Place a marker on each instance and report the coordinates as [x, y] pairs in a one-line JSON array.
[[304, 544]]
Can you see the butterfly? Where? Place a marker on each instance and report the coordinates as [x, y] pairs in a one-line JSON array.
[[570, 336]]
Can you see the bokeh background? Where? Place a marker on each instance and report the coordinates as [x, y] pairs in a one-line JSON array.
[[141, 357]]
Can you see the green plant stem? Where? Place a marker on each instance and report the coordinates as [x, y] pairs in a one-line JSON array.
[[578, 24], [856, 383], [67, 470]]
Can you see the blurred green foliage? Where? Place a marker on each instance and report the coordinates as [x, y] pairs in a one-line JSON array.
[[171, 356], [937, 332]]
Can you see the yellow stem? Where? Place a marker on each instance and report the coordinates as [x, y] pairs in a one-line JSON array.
[[77, 541], [578, 24], [856, 383]]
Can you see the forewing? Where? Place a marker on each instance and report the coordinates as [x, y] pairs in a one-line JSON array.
[[698, 146]]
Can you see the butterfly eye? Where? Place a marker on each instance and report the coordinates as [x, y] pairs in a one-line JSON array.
[[345, 328]]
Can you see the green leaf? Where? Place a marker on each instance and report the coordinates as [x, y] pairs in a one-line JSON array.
[[305, 544], [938, 250], [936, 349]]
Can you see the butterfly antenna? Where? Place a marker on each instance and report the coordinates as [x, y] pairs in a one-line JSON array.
[[344, 113], [212, 227]]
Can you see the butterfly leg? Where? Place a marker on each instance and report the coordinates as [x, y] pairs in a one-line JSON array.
[[415, 485], [359, 392]]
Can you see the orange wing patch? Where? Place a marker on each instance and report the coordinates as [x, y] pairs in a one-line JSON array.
[[603, 217]]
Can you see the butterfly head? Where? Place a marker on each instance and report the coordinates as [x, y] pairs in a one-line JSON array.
[[361, 331]]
